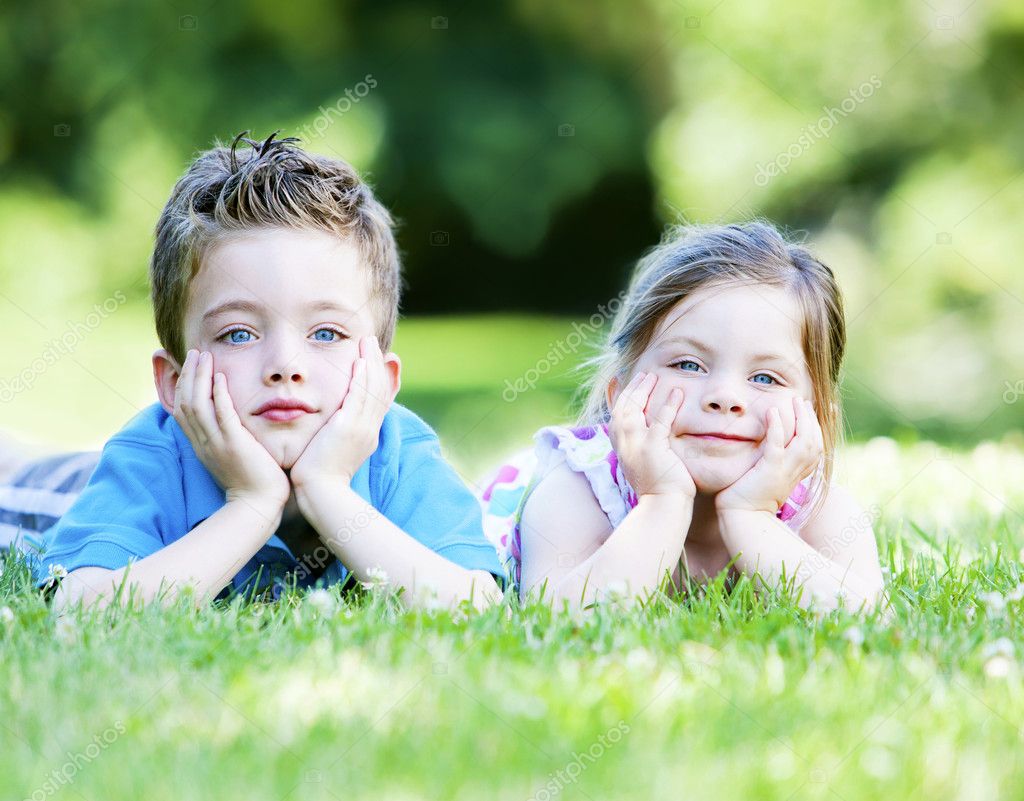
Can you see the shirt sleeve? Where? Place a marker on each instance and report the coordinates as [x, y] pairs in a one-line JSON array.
[[131, 507], [431, 504]]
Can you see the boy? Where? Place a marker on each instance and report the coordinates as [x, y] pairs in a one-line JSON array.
[[276, 449]]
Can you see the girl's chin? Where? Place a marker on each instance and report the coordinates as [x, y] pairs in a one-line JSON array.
[[712, 479]]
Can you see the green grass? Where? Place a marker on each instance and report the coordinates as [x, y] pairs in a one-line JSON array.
[[734, 696]]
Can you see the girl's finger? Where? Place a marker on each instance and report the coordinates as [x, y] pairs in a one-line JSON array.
[[774, 444], [668, 411], [628, 411]]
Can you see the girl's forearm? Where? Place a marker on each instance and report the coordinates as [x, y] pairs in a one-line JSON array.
[[635, 557], [765, 548], [364, 540], [206, 559]]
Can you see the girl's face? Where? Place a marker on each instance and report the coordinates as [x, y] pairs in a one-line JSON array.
[[734, 351]]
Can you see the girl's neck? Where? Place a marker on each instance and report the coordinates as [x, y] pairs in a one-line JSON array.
[[704, 523]]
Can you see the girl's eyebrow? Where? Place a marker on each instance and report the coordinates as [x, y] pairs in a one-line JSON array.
[[696, 343], [687, 341]]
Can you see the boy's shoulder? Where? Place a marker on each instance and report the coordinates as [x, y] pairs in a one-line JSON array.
[[152, 427], [403, 425]]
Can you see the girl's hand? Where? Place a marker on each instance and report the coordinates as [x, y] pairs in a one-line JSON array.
[[204, 410], [648, 462], [767, 485], [351, 434]]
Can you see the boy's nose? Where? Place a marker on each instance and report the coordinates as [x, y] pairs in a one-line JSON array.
[[284, 371]]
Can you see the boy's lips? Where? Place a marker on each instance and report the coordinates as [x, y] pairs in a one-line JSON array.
[[283, 410]]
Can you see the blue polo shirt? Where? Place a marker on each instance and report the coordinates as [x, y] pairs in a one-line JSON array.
[[150, 489]]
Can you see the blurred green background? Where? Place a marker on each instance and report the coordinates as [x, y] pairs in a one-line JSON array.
[[531, 152]]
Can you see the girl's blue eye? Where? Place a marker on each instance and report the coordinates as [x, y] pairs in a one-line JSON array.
[[681, 365], [765, 375], [331, 338], [230, 336]]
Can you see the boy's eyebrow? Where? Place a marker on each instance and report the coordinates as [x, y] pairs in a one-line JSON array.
[[233, 305], [242, 305]]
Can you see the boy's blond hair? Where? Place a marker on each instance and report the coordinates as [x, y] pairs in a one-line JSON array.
[[273, 184]]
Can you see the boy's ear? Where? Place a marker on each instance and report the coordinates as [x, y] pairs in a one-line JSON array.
[[165, 375], [393, 369]]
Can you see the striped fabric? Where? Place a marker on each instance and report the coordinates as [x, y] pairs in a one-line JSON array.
[[37, 494]]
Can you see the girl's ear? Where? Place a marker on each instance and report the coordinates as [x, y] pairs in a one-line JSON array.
[[165, 375], [612, 392]]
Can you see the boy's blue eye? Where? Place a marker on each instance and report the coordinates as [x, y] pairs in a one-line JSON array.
[[334, 335], [765, 375], [682, 365], [236, 340]]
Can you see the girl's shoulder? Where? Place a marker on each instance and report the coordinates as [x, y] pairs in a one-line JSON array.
[[588, 450]]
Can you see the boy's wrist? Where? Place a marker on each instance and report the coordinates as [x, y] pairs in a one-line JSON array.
[[322, 485], [265, 505]]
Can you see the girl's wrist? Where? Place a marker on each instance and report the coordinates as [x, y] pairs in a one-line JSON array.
[[673, 498]]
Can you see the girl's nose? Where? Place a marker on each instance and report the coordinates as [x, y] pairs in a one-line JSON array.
[[721, 398]]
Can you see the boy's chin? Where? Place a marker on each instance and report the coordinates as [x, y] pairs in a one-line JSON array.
[[286, 447]]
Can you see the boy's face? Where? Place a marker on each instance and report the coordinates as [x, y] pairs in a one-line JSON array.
[[282, 311]]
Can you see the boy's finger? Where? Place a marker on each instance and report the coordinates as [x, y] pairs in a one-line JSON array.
[[376, 378], [202, 395], [183, 386], [223, 406]]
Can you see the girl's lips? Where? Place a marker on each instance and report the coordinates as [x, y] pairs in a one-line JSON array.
[[713, 438], [283, 415]]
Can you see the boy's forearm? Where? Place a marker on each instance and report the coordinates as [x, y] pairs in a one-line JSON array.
[[764, 546], [364, 540], [636, 555], [206, 559]]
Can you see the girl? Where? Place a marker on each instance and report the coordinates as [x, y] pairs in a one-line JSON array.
[[706, 440]]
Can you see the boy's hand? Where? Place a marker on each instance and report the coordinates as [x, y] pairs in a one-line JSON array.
[[351, 434], [204, 410], [648, 462], [767, 485]]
